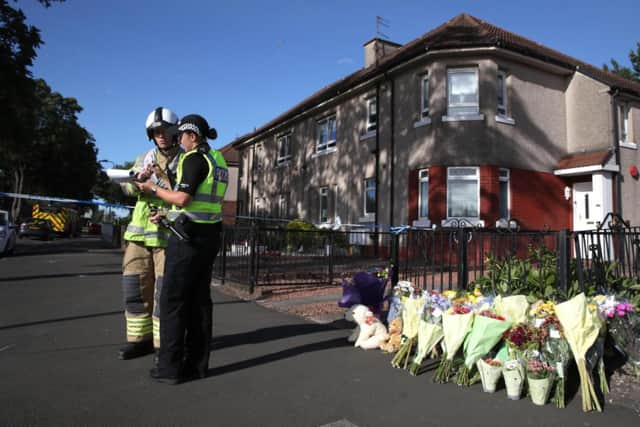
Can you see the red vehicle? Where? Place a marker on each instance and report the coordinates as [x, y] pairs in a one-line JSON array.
[[94, 228]]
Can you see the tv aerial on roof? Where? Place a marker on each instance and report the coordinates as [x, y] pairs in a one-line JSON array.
[[381, 22]]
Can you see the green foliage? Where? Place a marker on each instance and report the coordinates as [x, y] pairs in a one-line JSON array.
[[535, 276], [632, 73], [44, 149], [300, 235]]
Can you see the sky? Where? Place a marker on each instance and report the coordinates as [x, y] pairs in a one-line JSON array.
[[241, 63]]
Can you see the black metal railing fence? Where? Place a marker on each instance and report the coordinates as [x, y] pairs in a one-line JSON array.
[[261, 254]]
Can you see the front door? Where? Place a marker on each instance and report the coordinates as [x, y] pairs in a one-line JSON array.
[[584, 206]]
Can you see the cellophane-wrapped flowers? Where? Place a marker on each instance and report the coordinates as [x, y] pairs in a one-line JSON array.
[[485, 333], [430, 330], [581, 327], [456, 324]]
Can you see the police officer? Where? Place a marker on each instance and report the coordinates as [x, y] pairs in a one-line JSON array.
[[143, 263], [185, 300]]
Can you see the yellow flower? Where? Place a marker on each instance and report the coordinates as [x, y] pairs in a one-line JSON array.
[[459, 301], [600, 298], [477, 292], [449, 294], [472, 298]]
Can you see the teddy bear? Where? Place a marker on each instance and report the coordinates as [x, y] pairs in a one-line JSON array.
[[395, 336], [371, 331]]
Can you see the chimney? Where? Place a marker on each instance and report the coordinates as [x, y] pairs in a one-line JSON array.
[[377, 48]]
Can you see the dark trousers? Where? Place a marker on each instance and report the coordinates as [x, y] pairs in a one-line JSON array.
[[185, 302]]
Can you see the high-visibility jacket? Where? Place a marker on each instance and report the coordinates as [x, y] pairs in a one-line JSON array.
[[141, 229], [206, 204]]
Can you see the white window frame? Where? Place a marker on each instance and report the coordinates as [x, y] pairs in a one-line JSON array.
[[475, 220], [424, 96], [451, 112], [323, 194], [423, 178], [501, 108], [283, 206], [505, 176], [623, 123], [369, 185], [372, 112], [284, 141], [325, 125]]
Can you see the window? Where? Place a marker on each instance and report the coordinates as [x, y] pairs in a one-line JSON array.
[[423, 195], [623, 122], [424, 96], [324, 204], [284, 148], [283, 206], [260, 207], [369, 196], [462, 91], [462, 192], [504, 194], [326, 134], [501, 88], [372, 114]]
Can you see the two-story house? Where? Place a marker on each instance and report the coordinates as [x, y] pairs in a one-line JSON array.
[[469, 121]]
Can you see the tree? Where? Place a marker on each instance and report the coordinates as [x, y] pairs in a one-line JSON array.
[[626, 72], [18, 44]]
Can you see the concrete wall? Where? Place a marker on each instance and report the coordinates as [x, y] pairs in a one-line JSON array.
[[630, 156], [589, 116]]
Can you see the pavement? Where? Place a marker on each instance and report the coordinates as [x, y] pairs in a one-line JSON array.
[[61, 325]]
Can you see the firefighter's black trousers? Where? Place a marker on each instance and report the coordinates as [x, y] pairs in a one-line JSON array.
[[185, 302]]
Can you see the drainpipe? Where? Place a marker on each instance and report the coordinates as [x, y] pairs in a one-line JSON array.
[[377, 164], [616, 145], [392, 154], [251, 210]]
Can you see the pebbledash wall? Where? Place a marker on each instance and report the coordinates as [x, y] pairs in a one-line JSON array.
[[557, 130]]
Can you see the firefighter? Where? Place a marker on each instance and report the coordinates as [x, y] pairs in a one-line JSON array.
[[143, 263], [185, 300]]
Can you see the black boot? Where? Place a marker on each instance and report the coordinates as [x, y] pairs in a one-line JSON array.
[[135, 349]]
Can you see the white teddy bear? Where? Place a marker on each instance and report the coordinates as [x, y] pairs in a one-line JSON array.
[[372, 332]]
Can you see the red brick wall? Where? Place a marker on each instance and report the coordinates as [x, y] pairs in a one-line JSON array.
[[489, 195], [437, 194], [228, 212], [413, 196], [537, 200]]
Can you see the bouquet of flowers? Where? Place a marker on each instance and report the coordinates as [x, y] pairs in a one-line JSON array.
[[429, 328], [485, 333], [539, 377], [556, 351], [624, 329], [581, 328], [401, 292], [513, 308], [490, 370], [456, 324], [410, 319], [518, 339]]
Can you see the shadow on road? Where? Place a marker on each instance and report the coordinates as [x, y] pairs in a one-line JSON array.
[[60, 319], [275, 333], [284, 354], [55, 276]]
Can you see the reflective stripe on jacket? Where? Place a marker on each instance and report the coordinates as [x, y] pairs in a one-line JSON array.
[[206, 205]]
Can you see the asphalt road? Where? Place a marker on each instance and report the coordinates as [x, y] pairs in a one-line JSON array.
[[61, 325]]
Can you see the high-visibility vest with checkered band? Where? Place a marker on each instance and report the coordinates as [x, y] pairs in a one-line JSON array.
[[206, 205], [141, 229]]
